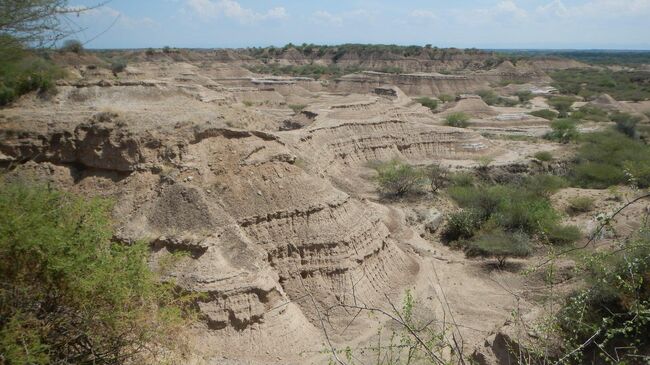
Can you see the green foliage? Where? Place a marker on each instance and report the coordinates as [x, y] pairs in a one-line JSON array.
[[72, 45], [611, 158], [626, 124], [524, 96], [491, 98], [523, 207], [545, 185], [67, 294], [591, 113], [22, 71], [498, 244], [297, 108], [563, 131], [562, 104], [445, 98], [589, 83], [462, 225], [613, 309], [580, 204], [461, 179], [544, 156], [459, 120], [561, 235], [438, 177], [396, 178], [118, 66], [428, 102], [547, 114]]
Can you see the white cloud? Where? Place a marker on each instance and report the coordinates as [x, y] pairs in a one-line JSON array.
[[511, 8], [232, 9], [106, 14], [555, 7], [597, 8], [423, 14], [502, 12], [323, 16]]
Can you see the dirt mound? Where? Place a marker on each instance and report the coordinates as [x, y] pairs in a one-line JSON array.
[[474, 107], [606, 102]]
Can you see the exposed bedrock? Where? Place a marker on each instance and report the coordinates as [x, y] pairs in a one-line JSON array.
[[261, 234], [350, 143]]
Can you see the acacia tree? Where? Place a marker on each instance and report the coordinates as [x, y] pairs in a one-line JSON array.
[[38, 22]]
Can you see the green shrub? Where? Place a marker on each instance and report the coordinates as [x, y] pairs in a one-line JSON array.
[[592, 113], [489, 97], [68, 294], [589, 83], [563, 131], [72, 45], [398, 179], [523, 207], [544, 185], [580, 204], [498, 244], [562, 104], [461, 179], [612, 310], [438, 177], [544, 156], [459, 120], [611, 158], [547, 114], [22, 72], [461, 225], [445, 98], [428, 102], [627, 124], [297, 108], [524, 96], [118, 66], [562, 235]]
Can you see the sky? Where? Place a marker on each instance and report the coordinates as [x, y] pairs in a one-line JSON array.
[[493, 24]]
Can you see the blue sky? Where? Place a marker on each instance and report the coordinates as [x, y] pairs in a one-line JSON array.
[[574, 24]]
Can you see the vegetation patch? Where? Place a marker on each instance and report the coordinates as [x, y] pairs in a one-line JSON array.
[[580, 204], [68, 294], [544, 156], [459, 120], [611, 158], [589, 83], [544, 113], [563, 131], [428, 102], [490, 211], [297, 108], [23, 71], [491, 98], [562, 104], [396, 178], [611, 314]]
